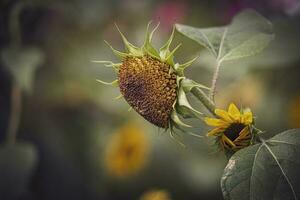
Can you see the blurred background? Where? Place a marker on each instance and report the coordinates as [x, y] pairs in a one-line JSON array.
[[76, 141]]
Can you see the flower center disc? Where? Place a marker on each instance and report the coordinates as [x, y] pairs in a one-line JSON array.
[[232, 132], [149, 88]]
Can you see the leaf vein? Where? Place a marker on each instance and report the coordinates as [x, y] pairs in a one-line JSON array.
[[209, 43], [222, 43], [282, 142], [254, 160], [281, 169]]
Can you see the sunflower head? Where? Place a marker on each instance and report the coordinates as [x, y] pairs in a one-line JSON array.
[[149, 88], [127, 151], [156, 195], [152, 83], [233, 128]]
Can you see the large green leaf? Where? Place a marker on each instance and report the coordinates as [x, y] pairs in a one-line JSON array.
[[248, 34], [21, 63], [269, 170]]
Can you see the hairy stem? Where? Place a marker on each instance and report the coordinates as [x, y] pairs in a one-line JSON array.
[[214, 82], [15, 113], [199, 94]]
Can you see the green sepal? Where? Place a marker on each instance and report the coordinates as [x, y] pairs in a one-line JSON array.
[[108, 63], [170, 56], [165, 49], [184, 107], [174, 135], [135, 51], [188, 85], [181, 67], [171, 70], [175, 118], [243, 110], [185, 112], [116, 52], [179, 79], [187, 132], [147, 46], [115, 83], [118, 97]]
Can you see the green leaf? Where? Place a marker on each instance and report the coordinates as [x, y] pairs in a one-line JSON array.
[[22, 64], [17, 164], [248, 34], [269, 170]]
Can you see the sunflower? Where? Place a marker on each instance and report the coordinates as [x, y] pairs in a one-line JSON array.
[[233, 127], [153, 84], [127, 151], [156, 195]]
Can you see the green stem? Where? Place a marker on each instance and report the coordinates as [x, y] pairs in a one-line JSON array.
[[14, 23], [15, 113], [214, 82], [205, 100]]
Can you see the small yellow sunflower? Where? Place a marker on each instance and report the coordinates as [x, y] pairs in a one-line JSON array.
[[127, 151], [156, 195], [233, 127]]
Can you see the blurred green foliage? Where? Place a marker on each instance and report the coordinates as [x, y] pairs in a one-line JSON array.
[[68, 117]]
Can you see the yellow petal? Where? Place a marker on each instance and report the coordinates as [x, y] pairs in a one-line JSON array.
[[215, 132], [227, 140], [234, 112], [223, 114], [247, 118], [214, 122], [243, 134]]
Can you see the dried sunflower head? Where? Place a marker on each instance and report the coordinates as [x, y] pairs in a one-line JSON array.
[[152, 83]]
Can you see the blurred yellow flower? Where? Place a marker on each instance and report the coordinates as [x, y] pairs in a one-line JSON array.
[[294, 112], [155, 195], [127, 151], [233, 127]]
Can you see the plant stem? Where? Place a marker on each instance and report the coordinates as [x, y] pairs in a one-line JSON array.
[[199, 94], [214, 82], [14, 23], [15, 113]]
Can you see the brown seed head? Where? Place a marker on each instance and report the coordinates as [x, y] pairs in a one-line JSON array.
[[149, 88]]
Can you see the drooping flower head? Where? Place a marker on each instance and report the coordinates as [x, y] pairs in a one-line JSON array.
[[233, 128], [152, 83]]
